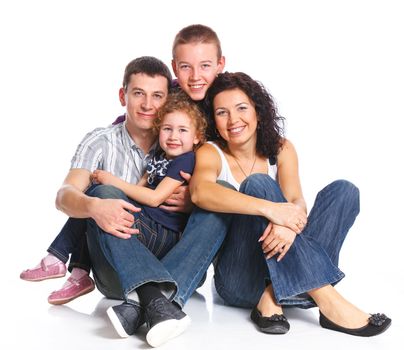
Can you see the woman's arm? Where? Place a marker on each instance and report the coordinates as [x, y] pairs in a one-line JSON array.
[[141, 194], [288, 175], [209, 195]]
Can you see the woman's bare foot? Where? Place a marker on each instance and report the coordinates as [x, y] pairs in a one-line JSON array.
[[337, 309], [267, 304]]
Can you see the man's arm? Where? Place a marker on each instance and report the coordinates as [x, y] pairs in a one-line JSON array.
[[111, 215]]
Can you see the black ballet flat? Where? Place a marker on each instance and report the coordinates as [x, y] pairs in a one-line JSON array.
[[276, 324], [377, 323]]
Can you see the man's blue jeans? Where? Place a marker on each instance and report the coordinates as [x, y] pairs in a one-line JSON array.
[[122, 265], [242, 272]]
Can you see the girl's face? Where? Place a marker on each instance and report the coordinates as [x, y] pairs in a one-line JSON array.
[[177, 134], [196, 66], [235, 117]]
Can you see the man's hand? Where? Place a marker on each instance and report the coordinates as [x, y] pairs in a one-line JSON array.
[[111, 215], [180, 200]]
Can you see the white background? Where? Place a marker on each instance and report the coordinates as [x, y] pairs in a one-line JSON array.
[[334, 67]]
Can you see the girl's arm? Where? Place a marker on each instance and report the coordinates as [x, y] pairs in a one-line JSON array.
[[209, 195], [139, 193]]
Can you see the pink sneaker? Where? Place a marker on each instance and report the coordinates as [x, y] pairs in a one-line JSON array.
[[44, 272], [73, 290]]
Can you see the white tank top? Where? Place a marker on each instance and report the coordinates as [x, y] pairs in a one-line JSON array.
[[226, 175]]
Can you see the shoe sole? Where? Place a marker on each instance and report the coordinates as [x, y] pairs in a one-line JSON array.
[[66, 300], [166, 330], [116, 323], [42, 278], [275, 330]]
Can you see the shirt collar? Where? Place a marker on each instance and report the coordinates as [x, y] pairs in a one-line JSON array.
[[132, 144]]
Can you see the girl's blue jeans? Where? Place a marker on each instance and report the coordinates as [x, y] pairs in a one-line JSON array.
[[72, 238]]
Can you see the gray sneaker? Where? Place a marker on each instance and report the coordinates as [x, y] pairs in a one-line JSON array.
[[126, 318], [165, 321]]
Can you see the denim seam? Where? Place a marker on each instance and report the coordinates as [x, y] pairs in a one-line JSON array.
[[59, 255], [306, 288], [180, 300]]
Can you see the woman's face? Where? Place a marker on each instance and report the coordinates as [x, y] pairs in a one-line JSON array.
[[235, 117]]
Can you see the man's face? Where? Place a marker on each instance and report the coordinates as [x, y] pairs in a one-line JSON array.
[[196, 66], [143, 97]]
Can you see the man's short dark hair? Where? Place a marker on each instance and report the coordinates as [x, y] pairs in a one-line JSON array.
[[148, 65]]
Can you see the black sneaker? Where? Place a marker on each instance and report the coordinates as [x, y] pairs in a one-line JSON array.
[[165, 321], [126, 318]]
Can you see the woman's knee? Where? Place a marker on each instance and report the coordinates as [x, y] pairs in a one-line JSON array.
[[345, 191], [262, 186]]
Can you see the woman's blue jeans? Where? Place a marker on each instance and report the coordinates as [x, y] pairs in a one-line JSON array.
[[122, 265], [242, 271]]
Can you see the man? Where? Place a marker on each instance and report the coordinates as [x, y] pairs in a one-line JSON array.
[[154, 290]]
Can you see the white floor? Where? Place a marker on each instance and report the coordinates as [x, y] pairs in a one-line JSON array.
[[31, 323], [336, 71]]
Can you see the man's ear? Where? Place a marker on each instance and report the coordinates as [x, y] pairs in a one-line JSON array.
[[174, 67], [122, 97]]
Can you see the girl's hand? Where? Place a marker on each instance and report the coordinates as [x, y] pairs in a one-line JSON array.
[[103, 177]]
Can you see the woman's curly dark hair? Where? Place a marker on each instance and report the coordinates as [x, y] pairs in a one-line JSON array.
[[270, 123]]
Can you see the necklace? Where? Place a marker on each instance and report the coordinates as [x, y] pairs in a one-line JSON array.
[[252, 168]]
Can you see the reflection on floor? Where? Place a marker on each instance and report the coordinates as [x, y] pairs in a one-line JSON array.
[[83, 324]]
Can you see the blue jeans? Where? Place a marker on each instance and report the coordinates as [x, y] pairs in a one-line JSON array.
[[242, 272], [72, 240], [122, 265]]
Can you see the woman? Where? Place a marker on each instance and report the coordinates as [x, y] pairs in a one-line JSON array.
[[274, 254]]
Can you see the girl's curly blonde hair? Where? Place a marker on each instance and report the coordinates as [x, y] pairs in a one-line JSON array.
[[180, 101]]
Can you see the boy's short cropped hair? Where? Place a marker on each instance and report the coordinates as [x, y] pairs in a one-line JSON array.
[[197, 33]]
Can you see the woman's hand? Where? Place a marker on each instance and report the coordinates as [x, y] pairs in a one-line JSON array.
[[276, 239], [287, 214]]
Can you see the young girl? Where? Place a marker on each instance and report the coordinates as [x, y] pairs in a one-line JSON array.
[[181, 128]]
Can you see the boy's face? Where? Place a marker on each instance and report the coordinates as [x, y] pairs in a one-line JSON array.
[[143, 97], [177, 134], [196, 66]]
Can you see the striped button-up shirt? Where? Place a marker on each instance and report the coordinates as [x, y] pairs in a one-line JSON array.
[[113, 150]]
